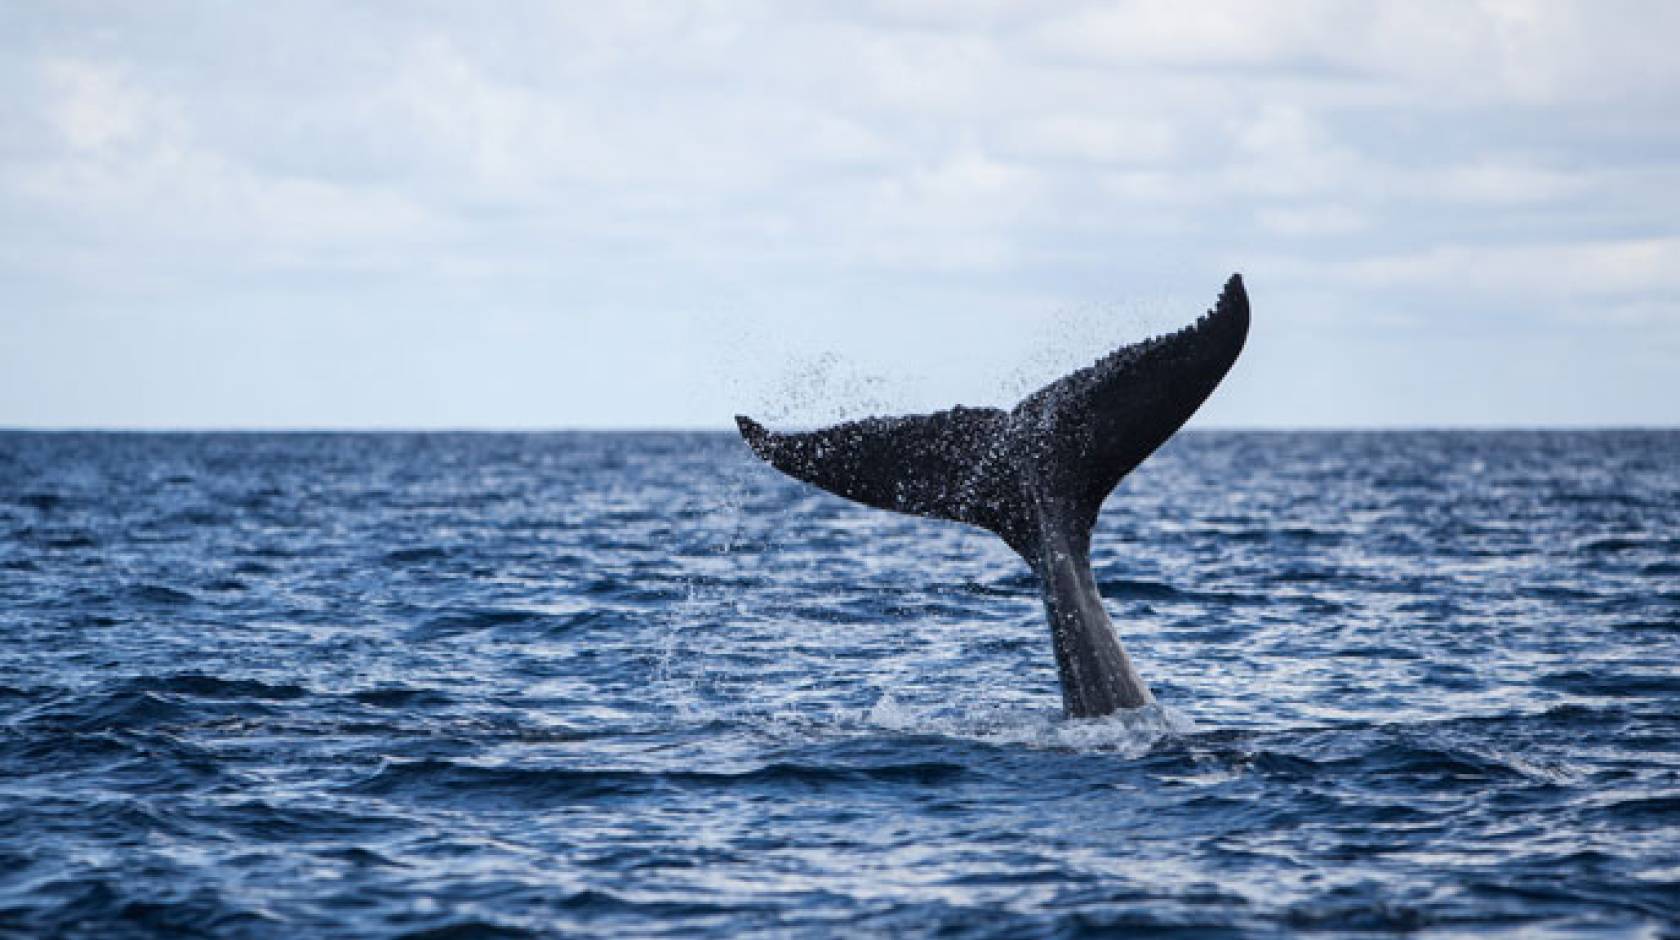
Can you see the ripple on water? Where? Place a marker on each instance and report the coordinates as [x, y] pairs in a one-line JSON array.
[[623, 684]]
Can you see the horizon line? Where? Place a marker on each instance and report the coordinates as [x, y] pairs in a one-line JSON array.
[[727, 429]]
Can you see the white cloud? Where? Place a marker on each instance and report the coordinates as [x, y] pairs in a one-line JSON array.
[[1284, 151], [855, 170], [1095, 138], [1503, 182], [1570, 269], [135, 172], [95, 108], [1219, 33], [1311, 220]]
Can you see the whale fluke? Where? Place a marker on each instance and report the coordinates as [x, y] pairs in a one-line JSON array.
[[1036, 475], [936, 465]]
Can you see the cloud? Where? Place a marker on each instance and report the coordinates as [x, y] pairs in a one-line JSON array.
[[1619, 266], [1312, 220], [134, 170], [94, 109], [1104, 140], [1492, 181], [840, 175]]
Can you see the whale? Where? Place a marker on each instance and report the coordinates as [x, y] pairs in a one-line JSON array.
[[1035, 475]]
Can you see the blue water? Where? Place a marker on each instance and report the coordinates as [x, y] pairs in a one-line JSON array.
[[639, 684]]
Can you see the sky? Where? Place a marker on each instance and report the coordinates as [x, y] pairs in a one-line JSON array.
[[553, 215]]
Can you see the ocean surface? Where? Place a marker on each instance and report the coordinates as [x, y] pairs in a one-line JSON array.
[[483, 685]]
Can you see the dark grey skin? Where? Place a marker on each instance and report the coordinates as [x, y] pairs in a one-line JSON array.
[[1036, 475]]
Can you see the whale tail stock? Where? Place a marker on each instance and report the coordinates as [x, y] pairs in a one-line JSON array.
[[1035, 475]]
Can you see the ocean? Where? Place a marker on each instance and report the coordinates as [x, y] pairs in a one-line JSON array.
[[639, 684]]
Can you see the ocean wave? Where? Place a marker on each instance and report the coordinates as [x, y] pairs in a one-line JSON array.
[[159, 594], [474, 683], [402, 697], [203, 685], [416, 556], [475, 784]]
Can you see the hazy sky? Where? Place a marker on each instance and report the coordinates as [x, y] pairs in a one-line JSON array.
[[587, 214]]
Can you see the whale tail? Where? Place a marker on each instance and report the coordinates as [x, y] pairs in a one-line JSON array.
[[1049, 461], [1036, 475]]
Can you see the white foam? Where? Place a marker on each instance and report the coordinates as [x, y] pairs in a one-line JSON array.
[[1132, 731]]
